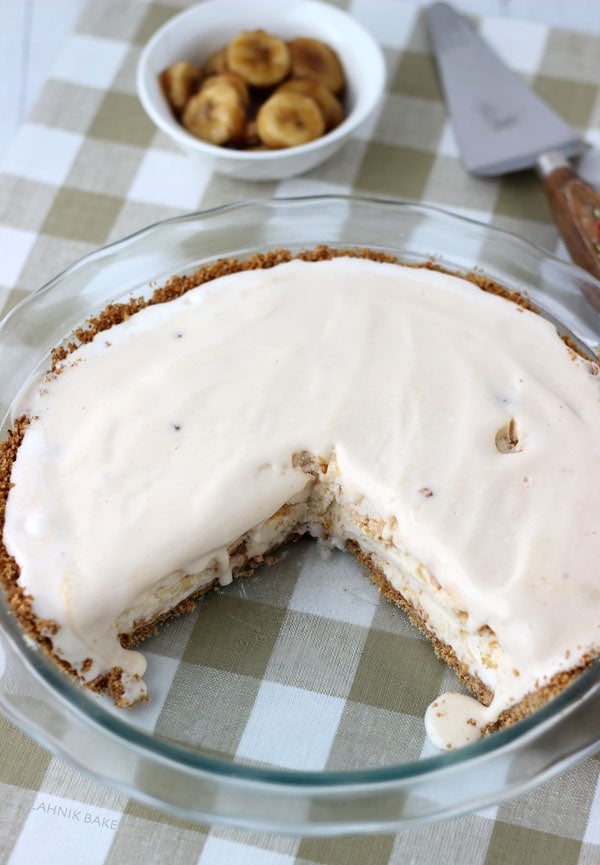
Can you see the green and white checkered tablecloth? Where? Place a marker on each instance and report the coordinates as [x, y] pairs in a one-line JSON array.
[[87, 168]]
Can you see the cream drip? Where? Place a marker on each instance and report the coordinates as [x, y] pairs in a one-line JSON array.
[[454, 720], [455, 416]]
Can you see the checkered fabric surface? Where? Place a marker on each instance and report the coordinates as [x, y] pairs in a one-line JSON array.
[[87, 168]]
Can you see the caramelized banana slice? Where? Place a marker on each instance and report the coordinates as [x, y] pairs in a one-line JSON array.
[[312, 58], [289, 119], [216, 114], [216, 63], [179, 82], [231, 78], [330, 105], [261, 59]]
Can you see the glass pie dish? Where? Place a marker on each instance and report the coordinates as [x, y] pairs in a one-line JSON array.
[[292, 700]]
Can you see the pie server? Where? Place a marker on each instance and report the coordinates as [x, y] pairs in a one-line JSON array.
[[501, 126]]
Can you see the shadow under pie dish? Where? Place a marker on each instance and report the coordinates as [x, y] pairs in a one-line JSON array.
[[314, 472]]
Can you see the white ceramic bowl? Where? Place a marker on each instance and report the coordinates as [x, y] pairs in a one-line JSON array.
[[196, 33]]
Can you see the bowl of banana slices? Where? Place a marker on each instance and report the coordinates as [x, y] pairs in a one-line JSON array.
[[263, 90]]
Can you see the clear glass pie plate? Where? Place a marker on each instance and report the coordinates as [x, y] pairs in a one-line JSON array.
[[292, 700]]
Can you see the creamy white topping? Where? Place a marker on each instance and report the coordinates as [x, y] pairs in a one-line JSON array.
[[458, 418]]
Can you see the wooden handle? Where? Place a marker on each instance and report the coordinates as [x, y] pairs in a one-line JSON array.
[[576, 210]]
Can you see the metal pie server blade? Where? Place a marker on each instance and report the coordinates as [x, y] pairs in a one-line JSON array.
[[499, 123], [501, 126]]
